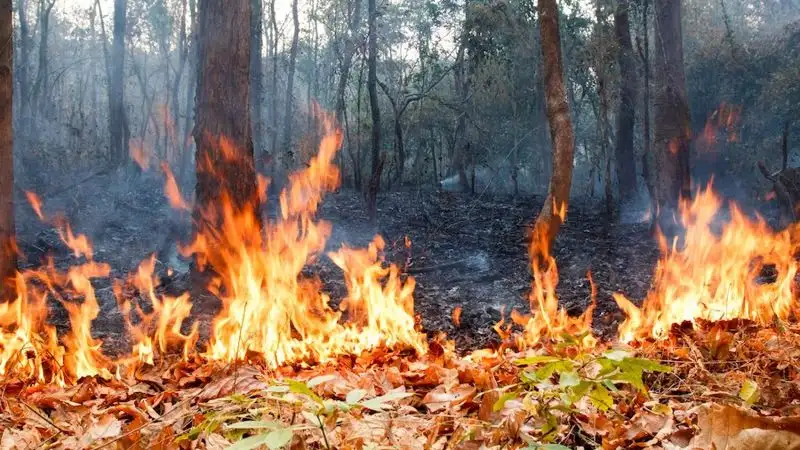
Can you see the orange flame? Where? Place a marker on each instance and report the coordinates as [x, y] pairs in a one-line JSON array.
[[715, 277]]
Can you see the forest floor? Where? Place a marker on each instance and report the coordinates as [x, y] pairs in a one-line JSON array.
[[467, 252]]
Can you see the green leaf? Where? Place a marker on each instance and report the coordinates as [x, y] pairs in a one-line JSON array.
[[278, 389], [254, 424], [548, 370], [379, 404], [273, 440], [568, 379], [616, 355], [749, 392], [501, 401], [279, 438], [601, 398], [531, 360], [301, 388], [355, 396], [316, 381]]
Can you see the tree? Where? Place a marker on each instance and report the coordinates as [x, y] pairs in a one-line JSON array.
[[257, 73], [561, 135], [41, 88], [8, 259], [372, 88], [288, 116], [671, 114], [222, 109], [116, 90], [626, 113]]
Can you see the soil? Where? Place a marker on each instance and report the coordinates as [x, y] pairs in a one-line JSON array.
[[466, 251]]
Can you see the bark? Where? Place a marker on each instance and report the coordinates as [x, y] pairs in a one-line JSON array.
[[289, 114], [601, 62], [671, 135], [646, 172], [41, 87], [274, 84], [347, 57], [372, 88], [25, 45], [191, 82], [116, 91], [561, 134], [222, 111], [462, 80], [183, 54], [8, 258], [626, 114], [257, 75]]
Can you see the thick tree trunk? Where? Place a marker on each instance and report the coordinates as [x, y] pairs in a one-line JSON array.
[[372, 88], [116, 115], [289, 114], [222, 110], [8, 256], [626, 115], [561, 134], [671, 110], [257, 75], [274, 84]]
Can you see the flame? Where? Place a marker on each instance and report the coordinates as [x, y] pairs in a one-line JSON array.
[[715, 276], [171, 190], [456, 316], [269, 306], [36, 203]]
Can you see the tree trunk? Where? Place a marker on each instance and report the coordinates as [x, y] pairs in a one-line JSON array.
[[257, 75], [43, 75], [372, 88], [601, 62], [274, 84], [8, 256], [116, 115], [626, 115], [561, 134], [222, 111], [183, 54], [191, 88], [462, 78], [24, 58], [646, 164], [347, 58], [288, 116], [671, 110]]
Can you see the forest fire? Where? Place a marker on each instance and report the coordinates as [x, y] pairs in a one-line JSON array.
[[715, 277], [270, 308]]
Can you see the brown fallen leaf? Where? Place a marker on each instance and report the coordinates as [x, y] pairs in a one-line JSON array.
[[19, 439], [106, 427], [732, 428], [441, 399]]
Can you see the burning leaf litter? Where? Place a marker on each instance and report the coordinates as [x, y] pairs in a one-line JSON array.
[[712, 341]]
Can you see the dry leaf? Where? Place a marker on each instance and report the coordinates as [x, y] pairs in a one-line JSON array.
[[731, 428]]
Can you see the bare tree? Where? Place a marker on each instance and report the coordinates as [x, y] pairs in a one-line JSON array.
[[25, 46], [372, 88], [116, 90], [8, 258], [626, 113], [222, 107], [42, 86], [671, 114], [287, 124], [555, 205]]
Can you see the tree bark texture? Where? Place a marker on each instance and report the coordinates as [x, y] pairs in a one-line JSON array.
[[561, 134], [289, 112], [671, 134], [257, 74], [372, 88], [116, 115], [8, 256], [626, 114], [222, 109]]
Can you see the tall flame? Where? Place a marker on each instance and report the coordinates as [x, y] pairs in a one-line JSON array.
[[715, 277]]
